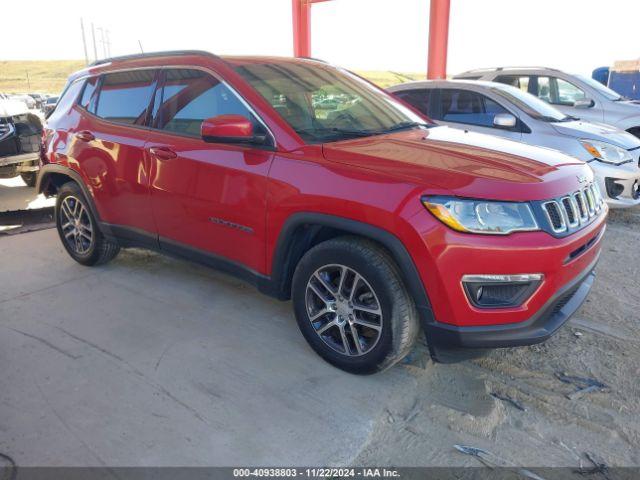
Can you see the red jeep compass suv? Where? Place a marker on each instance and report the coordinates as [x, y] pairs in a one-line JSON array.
[[314, 185]]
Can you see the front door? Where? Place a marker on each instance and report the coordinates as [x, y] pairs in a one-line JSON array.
[[209, 198]]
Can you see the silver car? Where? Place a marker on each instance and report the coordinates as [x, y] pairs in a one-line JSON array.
[[575, 95], [505, 111]]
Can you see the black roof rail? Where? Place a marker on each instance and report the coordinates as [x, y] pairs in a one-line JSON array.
[[136, 56], [499, 69]]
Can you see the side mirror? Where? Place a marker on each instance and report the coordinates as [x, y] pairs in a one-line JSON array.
[[583, 103], [229, 129], [504, 120]]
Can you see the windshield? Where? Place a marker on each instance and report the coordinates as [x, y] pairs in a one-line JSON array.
[[596, 85], [324, 104], [531, 105]]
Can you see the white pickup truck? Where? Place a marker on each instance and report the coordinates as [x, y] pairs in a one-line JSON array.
[[20, 137]]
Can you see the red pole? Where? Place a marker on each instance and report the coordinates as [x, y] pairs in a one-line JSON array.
[[438, 39], [301, 28]]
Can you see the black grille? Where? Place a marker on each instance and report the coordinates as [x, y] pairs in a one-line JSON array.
[[569, 209], [553, 210], [566, 298], [582, 209]]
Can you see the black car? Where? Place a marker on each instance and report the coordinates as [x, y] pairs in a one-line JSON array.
[[20, 136]]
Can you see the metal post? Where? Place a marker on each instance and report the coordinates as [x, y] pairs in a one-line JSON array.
[[84, 43], [438, 39], [108, 44], [95, 48], [301, 28], [104, 46]]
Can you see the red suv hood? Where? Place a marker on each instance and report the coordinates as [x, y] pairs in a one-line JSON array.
[[465, 163]]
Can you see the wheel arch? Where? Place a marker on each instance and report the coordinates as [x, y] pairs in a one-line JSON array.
[[302, 231], [52, 176]]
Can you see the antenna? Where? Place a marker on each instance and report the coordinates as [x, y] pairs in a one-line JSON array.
[[140, 44]]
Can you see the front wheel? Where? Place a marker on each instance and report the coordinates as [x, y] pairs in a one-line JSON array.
[[78, 229], [352, 306]]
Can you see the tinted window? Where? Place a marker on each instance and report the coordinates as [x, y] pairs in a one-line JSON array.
[[67, 99], [190, 96], [88, 99], [419, 99], [518, 81], [124, 96], [462, 106]]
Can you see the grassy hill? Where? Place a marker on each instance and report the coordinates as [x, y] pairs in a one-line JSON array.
[[49, 76], [36, 76]]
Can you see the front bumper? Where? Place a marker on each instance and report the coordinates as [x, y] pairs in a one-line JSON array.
[[627, 176], [16, 164], [446, 338]]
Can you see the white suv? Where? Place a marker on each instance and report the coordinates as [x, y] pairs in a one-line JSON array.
[[575, 95]]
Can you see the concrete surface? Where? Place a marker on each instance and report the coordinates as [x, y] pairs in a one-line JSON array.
[[15, 195], [154, 361]]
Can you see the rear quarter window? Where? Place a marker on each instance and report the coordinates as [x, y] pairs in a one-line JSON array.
[[67, 100], [417, 98]]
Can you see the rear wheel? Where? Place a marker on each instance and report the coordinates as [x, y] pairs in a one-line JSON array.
[[352, 307], [29, 178], [78, 229]]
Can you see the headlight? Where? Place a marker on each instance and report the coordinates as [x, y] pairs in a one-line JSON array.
[[606, 152], [482, 216]]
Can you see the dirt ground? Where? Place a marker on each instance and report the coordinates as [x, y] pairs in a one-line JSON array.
[[602, 342]]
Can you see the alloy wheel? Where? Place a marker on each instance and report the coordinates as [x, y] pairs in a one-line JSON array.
[[76, 225], [344, 310]]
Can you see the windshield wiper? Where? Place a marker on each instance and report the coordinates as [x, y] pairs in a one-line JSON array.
[[405, 125]]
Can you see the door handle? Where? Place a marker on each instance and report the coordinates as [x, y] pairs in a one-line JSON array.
[[85, 136], [163, 153]]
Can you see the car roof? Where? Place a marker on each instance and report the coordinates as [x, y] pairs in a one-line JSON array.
[[152, 59], [500, 69], [443, 83]]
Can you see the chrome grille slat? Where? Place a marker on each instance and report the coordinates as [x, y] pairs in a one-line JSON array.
[[571, 211]]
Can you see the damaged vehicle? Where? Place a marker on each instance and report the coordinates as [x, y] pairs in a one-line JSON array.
[[20, 137]]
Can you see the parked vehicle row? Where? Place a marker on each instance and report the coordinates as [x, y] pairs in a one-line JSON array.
[[575, 95], [20, 134], [508, 112], [375, 222]]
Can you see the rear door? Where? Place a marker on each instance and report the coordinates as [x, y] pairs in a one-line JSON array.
[[109, 142], [470, 110], [209, 198]]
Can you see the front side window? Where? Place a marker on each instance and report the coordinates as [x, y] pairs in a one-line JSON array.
[[463, 106], [418, 99], [324, 104], [190, 96], [124, 96], [531, 105], [568, 93]]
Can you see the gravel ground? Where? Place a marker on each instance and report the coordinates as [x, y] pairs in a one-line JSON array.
[[452, 404]]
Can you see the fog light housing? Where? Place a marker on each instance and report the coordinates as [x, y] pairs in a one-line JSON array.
[[614, 189], [500, 291], [635, 191]]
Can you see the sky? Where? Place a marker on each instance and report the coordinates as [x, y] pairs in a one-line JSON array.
[[573, 35]]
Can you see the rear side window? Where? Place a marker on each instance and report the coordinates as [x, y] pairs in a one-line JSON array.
[[190, 96], [463, 106], [125, 96], [518, 81], [67, 100], [418, 99], [89, 95]]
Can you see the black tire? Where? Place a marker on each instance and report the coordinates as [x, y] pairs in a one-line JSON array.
[[89, 250], [29, 178], [398, 318]]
